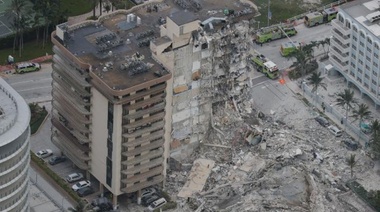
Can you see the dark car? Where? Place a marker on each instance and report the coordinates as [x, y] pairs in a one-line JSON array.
[[147, 200], [57, 159], [322, 121], [85, 191], [351, 144]]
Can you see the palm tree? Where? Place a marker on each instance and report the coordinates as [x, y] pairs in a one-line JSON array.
[[361, 113], [17, 8], [351, 161], [302, 56], [375, 127], [316, 81], [346, 100]]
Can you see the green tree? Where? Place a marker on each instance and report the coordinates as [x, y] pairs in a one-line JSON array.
[[375, 142], [16, 10], [316, 81], [351, 162], [375, 127], [302, 57], [361, 113], [346, 100]]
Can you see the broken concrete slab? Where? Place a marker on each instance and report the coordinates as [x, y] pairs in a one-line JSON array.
[[197, 178]]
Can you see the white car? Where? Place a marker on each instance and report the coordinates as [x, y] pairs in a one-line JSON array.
[[74, 177], [147, 191], [81, 184], [335, 130], [44, 153]]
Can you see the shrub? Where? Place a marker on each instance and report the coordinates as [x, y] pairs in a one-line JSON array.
[[38, 115]]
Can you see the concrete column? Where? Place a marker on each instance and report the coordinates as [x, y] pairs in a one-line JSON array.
[[101, 188], [139, 197], [114, 199]]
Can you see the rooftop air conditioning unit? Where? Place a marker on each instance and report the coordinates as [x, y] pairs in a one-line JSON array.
[[373, 16]]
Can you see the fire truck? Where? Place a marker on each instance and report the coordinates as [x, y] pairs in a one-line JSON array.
[[275, 32], [264, 65], [320, 17]]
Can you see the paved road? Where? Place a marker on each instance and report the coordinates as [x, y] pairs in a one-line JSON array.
[[34, 86]]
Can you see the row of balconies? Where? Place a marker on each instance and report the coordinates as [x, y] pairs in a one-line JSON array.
[[345, 31], [146, 148], [131, 170], [64, 70], [72, 65], [72, 106], [66, 83], [343, 66], [73, 96], [138, 141], [145, 110], [145, 121], [344, 48], [142, 176], [80, 124], [338, 34], [71, 129], [67, 134], [144, 184], [343, 57], [145, 102], [143, 157], [70, 150], [153, 127], [142, 94]]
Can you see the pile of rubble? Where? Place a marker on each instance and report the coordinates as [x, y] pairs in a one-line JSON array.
[[263, 164]]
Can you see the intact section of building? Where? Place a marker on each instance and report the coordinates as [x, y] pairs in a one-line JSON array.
[[355, 46], [110, 102], [14, 150]]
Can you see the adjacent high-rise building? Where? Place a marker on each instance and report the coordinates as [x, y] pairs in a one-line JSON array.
[[14, 150], [355, 46]]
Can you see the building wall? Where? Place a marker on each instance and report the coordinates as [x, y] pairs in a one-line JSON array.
[[99, 137], [354, 51], [117, 147], [14, 150]]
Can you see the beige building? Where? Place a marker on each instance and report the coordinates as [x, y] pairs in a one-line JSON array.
[[14, 150]]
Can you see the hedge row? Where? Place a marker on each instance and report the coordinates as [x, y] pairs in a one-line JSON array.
[[62, 183], [37, 121]]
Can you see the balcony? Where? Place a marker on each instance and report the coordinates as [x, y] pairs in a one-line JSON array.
[[69, 62], [82, 164], [344, 48], [153, 127], [73, 106], [142, 167], [151, 146], [138, 186], [70, 85], [345, 39], [343, 57], [145, 111], [338, 63], [146, 102], [67, 72], [141, 94], [72, 96], [75, 121], [143, 157], [345, 31], [144, 139], [145, 121], [82, 138], [143, 176], [72, 141]]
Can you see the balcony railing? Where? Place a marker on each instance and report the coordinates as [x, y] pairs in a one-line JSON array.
[[142, 112], [153, 127], [142, 167], [154, 145], [62, 81], [340, 27], [72, 96], [74, 121], [72, 129], [82, 164], [79, 110], [143, 157], [337, 63], [145, 121], [342, 47], [341, 56], [143, 176], [144, 139], [65, 71], [146, 102], [344, 38], [138, 186], [72, 141]]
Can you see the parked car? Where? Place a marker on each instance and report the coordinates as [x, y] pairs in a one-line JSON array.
[[74, 177], [27, 67], [81, 184], [335, 130], [351, 144], [322, 121], [102, 204], [85, 191], [44, 153], [149, 199], [147, 191], [157, 204], [57, 159]]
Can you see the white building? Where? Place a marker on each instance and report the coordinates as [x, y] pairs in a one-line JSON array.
[[354, 49], [14, 150]]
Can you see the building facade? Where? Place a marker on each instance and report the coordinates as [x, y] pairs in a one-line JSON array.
[[14, 150], [355, 46]]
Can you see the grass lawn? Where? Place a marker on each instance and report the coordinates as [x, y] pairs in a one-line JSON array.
[[76, 7], [38, 116], [31, 50], [279, 14]]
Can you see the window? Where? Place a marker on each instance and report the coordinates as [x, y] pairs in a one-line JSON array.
[[359, 80], [355, 29], [369, 50], [354, 38], [353, 56], [361, 53], [366, 76], [376, 46], [374, 73], [353, 65], [369, 40], [373, 91], [353, 47], [352, 73], [341, 19], [360, 71], [362, 34], [361, 43], [368, 58], [360, 62], [367, 67], [366, 85], [375, 55], [374, 82]]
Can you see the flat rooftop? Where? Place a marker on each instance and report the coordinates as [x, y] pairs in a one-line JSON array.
[[359, 9], [14, 114], [117, 47]]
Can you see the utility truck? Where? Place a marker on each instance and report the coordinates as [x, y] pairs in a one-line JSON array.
[[288, 47], [274, 32], [264, 65], [320, 17]]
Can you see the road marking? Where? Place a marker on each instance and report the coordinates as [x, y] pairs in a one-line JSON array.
[[29, 89], [28, 81]]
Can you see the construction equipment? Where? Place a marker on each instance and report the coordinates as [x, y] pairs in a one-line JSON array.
[[288, 47], [264, 65], [320, 17], [275, 32]]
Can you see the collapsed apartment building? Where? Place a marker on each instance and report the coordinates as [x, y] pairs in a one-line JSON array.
[[127, 94]]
